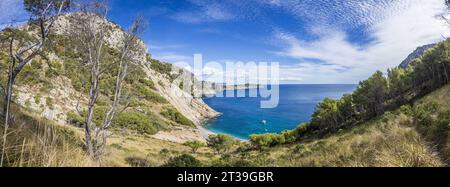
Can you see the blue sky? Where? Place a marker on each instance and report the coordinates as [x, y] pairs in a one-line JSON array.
[[315, 41]]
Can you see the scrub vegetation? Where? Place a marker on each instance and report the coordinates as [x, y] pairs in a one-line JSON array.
[[400, 118]]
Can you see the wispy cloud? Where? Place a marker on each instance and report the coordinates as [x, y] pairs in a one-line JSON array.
[[397, 29], [205, 11], [342, 13], [172, 57]]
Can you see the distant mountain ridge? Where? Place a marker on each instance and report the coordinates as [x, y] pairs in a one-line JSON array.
[[416, 54]]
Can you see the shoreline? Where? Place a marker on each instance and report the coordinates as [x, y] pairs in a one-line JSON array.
[[204, 132]]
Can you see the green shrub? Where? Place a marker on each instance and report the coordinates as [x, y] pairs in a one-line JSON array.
[[75, 119], [148, 83], [136, 121], [77, 73], [289, 136], [99, 114], [135, 75], [107, 85], [54, 69], [30, 74], [194, 145], [173, 114], [435, 127], [137, 103], [267, 140], [134, 161], [49, 102], [387, 116], [407, 110], [422, 117], [220, 142], [184, 160], [301, 130], [161, 67], [151, 96], [441, 129], [102, 101], [164, 152]]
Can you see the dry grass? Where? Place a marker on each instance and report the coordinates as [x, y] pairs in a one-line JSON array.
[[123, 149], [33, 142], [36, 142], [381, 143], [391, 140], [435, 132], [440, 96]]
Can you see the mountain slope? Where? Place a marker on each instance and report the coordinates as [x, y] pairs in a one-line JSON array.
[[50, 90], [52, 85], [416, 54], [395, 139]]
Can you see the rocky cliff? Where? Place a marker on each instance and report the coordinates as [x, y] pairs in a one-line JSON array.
[[55, 97], [416, 54]]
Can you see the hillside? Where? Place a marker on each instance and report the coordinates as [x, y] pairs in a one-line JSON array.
[[416, 54], [53, 87], [398, 119], [395, 139]]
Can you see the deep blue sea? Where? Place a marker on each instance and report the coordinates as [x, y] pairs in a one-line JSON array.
[[243, 116]]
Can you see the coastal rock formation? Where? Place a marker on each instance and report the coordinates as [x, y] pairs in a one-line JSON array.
[[416, 54], [61, 98]]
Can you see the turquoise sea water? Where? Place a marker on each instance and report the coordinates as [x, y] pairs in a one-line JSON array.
[[243, 116]]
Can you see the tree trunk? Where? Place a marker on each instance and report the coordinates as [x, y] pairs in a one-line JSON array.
[[6, 103], [6, 106], [8, 95], [87, 127], [90, 112]]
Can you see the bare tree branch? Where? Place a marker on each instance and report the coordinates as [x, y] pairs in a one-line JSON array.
[[33, 49], [128, 46]]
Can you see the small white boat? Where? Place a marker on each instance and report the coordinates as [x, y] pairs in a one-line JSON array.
[[264, 122]]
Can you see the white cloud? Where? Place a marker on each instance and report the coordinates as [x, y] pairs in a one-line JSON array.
[[172, 57], [397, 30], [207, 11], [337, 12]]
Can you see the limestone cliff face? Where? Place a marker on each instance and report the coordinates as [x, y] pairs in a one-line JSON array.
[[62, 98], [193, 108]]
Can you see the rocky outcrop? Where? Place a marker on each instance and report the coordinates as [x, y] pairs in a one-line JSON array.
[[193, 108], [416, 54], [62, 98], [54, 104]]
